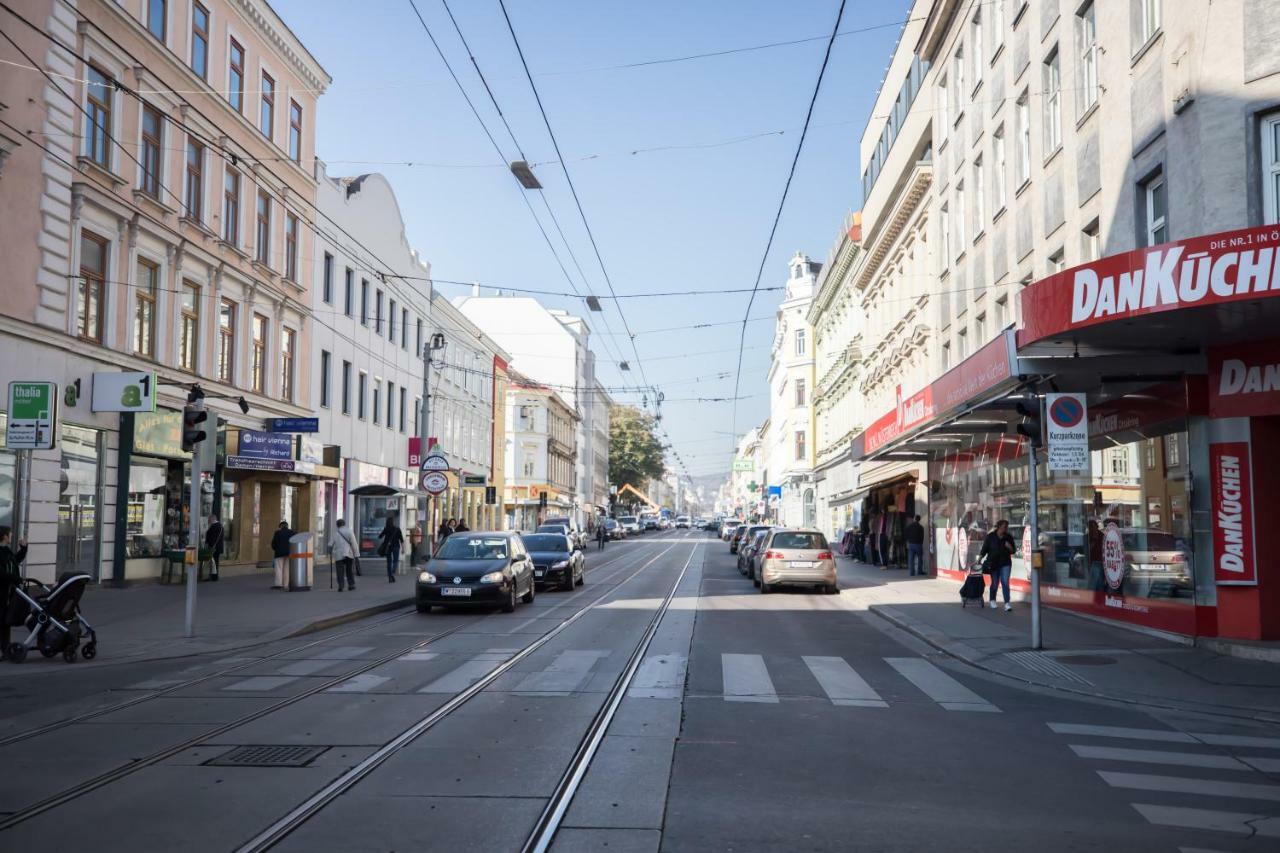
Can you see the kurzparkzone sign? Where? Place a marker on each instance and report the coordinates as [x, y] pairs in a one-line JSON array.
[[1233, 266], [1066, 428]]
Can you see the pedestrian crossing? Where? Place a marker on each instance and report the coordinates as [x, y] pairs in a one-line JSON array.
[[1225, 773]]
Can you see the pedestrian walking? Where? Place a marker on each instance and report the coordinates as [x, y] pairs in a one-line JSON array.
[[392, 542], [280, 553], [461, 526], [444, 532], [997, 560], [214, 540], [913, 534], [415, 544], [602, 536], [343, 551], [1094, 538], [10, 577]]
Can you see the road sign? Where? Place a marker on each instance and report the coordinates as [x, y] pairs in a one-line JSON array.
[[434, 482], [435, 461], [744, 465], [1067, 432], [124, 392], [293, 424], [33, 415]]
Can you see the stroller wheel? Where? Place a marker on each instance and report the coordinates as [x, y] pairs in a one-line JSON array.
[[17, 652], [90, 651], [48, 652], [69, 654]]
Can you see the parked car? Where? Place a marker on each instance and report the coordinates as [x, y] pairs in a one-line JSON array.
[[700, 523], [735, 540], [477, 569], [757, 555], [630, 524], [712, 526], [613, 529], [648, 521], [682, 522], [797, 557], [664, 523], [579, 535], [746, 551], [744, 538], [556, 559], [727, 528]]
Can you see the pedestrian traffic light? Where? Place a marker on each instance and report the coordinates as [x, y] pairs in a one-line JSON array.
[[1032, 426], [193, 415], [490, 495]]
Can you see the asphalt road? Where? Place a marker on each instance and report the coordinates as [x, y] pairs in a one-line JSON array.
[[791, 722]]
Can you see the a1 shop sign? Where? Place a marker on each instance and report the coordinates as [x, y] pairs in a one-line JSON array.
[[1066, 427], [1231, 493], [1244, 380]]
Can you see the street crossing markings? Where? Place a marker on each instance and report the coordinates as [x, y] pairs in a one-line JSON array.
[[419, 656], [362, 683], [1184, 785], [262, 682], [939, 686], [659, 677], [746, 679], [1156, 756], [1164, 735], [1183, 817], [1266, 765], [468, 673], [569, 671], [842, 684], [308, 666]]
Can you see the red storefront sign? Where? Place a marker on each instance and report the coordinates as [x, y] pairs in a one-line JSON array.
[[1214, 269], [985, 369], [1231, 494], [1244, 380]]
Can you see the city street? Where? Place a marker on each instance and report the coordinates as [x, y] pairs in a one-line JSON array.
[[787, 722]]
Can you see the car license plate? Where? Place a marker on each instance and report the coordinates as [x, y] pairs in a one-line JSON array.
[[802, 564], [460, 591], [1157, 567], [537, 573]]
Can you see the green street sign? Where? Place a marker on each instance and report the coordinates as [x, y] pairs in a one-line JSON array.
[[33, 415], [743, 465]]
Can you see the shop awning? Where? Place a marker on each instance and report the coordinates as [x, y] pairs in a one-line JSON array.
[[377, 490], [847, 499]]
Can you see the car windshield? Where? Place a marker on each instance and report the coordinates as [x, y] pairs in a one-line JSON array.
[[473, 548], [1149, 540], [628, 519], [546, 542], [553, 528], [799, 541]]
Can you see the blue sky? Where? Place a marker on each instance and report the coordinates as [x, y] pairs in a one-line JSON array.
[[688, 218]]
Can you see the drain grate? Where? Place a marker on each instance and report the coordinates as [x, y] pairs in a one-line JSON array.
[[268, 756]]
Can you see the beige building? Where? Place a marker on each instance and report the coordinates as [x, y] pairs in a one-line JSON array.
[[158, 190], [540, 472]]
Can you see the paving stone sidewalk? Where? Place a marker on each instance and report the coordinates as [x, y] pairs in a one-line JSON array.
[[1080, 655]]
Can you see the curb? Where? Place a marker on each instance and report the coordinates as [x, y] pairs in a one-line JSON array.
[[342, 618], [969, 655]]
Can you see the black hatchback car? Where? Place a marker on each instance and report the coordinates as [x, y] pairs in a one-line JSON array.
[[556, 560], [477, 569]]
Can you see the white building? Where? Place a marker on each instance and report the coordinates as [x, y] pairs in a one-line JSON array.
[[790, 402], [540, 454]]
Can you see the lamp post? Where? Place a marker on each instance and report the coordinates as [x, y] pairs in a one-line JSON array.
[[424, 425]]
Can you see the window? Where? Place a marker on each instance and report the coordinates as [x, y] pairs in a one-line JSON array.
[[957, 71], [404, 328], [417, 412], [235, 81], [417, 347], [291, 247], [195, 180], [962, 344], [1156, 209], [1023, 160], [1271, 167], [1119, 462], [152, 145], [1002, 313], [348, 295], [800, 392], [391, 323], [944, 225], [979, 197], [264, 228], [999, 183], [231, 206], [944, 113], [156, 17], [226, 341], [1172, 451], [91, 286], [98, 141], [403, 395], [325, 360], [1087, 59], [976, 42], [1052, 78], [267, 119], [295, 131], [346, 387], [326, 288], [801, 345], [377, 401], [364, 302], [189, 328], [361, 394], [959, 219], [1149, 448], [1149, 14], [980, 329], [377, 316], [946, 356], [200, 40], [1057, 261], [391, 405], [144, 308], [997, 26], [800, 454], [258, 366], [287, 356], [1090, 244]]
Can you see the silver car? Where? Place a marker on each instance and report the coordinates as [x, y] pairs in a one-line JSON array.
[[797, 557]]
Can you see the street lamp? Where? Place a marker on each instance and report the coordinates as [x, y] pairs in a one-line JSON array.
[[525, 175]]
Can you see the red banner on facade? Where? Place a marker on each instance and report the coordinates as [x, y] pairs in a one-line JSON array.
[[1232, 514], [1232, 266], [1244, 380]]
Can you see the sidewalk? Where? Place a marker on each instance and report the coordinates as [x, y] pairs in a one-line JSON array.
[[1080, 655], [147, 622]]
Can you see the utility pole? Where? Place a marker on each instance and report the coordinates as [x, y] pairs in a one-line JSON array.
[[424, 426], [1032, 427]]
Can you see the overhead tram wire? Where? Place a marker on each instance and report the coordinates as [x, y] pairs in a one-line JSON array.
[[773, 230]]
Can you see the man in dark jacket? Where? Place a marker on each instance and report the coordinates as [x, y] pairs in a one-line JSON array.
[[213, 540], [280, 553], [913, 534], [392, 542], [997, 560], [10, 576]]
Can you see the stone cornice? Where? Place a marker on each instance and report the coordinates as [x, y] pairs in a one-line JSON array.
[[286, 43]]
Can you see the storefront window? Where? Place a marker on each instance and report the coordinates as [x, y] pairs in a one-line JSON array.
[[8, 476], [372, 515], [146, 516], [230, 519]]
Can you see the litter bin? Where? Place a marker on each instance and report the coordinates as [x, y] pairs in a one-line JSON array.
[[301, 562]]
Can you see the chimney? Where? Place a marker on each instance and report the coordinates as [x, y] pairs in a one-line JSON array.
[[475, 288]]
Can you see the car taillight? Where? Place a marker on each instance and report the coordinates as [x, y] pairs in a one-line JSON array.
[[825, 555], [773, 555], [1179, 558]]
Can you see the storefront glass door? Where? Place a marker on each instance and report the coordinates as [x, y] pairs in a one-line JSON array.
[[78, 501]]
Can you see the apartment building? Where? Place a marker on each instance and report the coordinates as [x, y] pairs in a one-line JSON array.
[[541, 429], [791, 377]]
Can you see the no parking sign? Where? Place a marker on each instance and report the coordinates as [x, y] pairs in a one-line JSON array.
[[1067, 432]]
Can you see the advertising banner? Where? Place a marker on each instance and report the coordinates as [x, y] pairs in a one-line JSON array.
[[1244, 381], [124, 392], [266, 445], [294, 424], [1066, 427], [1231, 493]]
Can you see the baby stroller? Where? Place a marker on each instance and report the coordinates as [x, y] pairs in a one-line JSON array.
[[973, 587], [52, 617]]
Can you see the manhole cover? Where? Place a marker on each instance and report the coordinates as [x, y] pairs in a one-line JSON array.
[[1088, 660], [268, 756]]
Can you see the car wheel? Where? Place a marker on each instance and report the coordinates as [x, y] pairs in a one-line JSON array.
[[582, 576], [509, 606], [755, 580], [527, 598], [765, 588], [569, 583], [833, 589], [424, 608]]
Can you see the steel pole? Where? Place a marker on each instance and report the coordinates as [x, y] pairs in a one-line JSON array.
[[424, 432], [1034, 574], [193, 541]]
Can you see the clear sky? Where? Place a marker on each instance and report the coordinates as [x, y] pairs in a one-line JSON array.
[[671, 220]]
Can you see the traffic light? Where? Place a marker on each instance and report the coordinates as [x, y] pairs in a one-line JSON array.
[[542, 500], [490, 495], [1032, 425], [193, 415]]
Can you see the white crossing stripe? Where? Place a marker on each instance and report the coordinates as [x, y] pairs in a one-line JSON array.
[[419, 656], [939, 686], [1183, 785], [842, 684], [569, 671], [1121, 732], [342, 652], [467, 674], [362, 683], [1266, 765], [308, 666], [1239, 740], [1239, 823], [1156, 756], [261, 682], [746, 679], [659, 677]]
